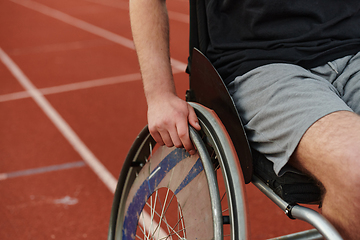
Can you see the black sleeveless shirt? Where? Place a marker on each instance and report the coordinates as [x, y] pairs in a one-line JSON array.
[[245, 34]]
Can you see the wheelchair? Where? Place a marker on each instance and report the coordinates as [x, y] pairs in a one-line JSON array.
[[165, 193]]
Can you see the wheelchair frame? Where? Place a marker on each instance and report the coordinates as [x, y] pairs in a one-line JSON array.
[[221, 144], [230, 164]]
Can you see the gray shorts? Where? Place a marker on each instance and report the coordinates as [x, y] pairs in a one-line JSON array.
[[279, 102]]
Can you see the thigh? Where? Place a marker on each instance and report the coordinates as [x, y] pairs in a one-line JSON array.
[[278, 103], [329, 150]]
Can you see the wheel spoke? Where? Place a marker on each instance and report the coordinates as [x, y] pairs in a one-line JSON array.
[[153, 213], [162, 211], [151, 150], [154, 202], [142, 229]]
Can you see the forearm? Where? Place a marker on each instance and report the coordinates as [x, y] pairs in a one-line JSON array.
[[168, 115], [150, 28]]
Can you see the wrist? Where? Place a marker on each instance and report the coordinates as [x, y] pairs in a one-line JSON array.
[[159, 96]]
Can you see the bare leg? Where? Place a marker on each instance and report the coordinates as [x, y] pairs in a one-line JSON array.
[[330, 151]]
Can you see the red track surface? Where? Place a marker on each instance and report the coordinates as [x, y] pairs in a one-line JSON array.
[[74, 203]]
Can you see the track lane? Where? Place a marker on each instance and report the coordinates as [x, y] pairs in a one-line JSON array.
[[87, 123], [60, 123], [54, 205]]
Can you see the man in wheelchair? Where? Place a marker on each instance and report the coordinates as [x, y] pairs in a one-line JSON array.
[[292, 68]]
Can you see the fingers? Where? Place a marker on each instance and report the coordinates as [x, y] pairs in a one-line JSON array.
[[193, 119], [183, 130], [170, 125], [169, 136], [178, 137], [156, 136], [183, 133]]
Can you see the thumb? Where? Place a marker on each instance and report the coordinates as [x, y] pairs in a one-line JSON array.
[[193, 120]]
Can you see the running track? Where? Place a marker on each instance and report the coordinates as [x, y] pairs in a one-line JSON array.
[[71, 104]]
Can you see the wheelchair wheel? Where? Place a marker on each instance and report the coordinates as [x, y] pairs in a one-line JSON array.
[[165, 193]]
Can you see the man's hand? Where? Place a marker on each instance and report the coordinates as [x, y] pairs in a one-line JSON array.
[[168, 119]]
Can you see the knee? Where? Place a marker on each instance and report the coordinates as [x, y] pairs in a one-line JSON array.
[[350, 162], [345, 175]]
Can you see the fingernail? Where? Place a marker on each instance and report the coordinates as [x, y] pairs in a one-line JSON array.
[[192, 152]]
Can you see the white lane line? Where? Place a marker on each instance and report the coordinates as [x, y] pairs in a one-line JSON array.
[[86, 26], [112, 3], [73, 86], [180, 17], [14, 96], [59, 47], [33, 171], [91, 84], [76, 86], [75, 22], [60, 123]]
